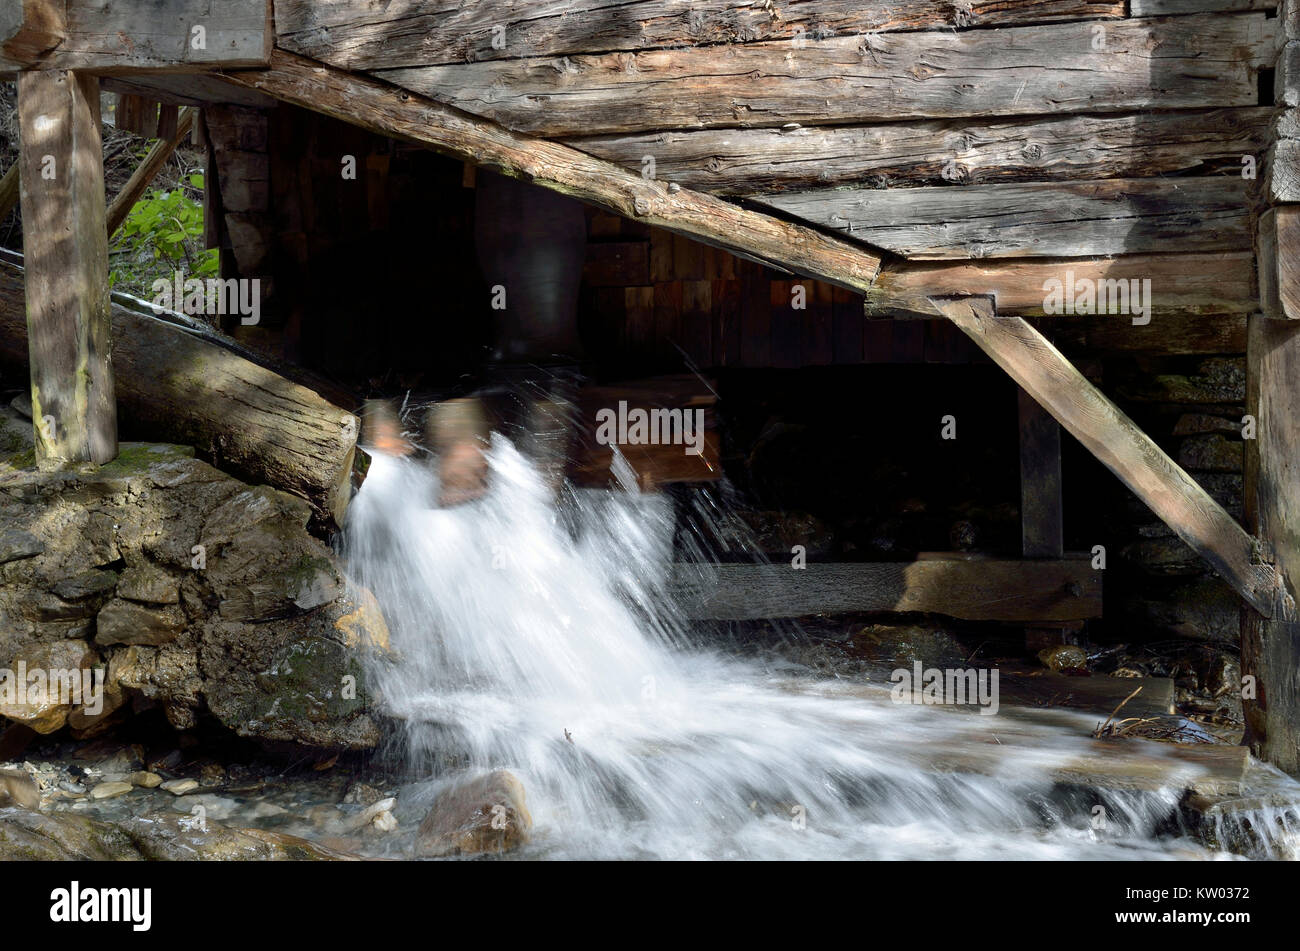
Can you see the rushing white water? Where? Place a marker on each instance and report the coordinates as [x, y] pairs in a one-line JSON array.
[[545, 640]]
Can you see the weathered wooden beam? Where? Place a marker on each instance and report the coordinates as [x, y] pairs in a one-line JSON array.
[[1042, 523], [389, 111], [74, 411], [104, 36], [144, 173], [29, 29], [1056, 219], [1179, 334], [970, 588], [1216, 283], [1074, 148], [1278, 246], [1105, 431], [1041, 511], [188, 386], [1159, 8], [1270, 647], [1188, 62], [358, 36]]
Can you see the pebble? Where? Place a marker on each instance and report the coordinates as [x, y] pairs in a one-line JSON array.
[[369, 814], [110, 790], [147, 780], [75, 788], [385, 822], [179, 787]]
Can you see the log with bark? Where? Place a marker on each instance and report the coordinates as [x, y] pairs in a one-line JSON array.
[[182, 384]]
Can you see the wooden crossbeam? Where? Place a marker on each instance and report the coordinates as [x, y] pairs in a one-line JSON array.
[[1105, 431], [961, 586], [399, 113], [125, 38]]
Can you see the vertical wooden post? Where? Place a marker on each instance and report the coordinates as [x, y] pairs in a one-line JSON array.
[[1270, 648], [66, 265], [1041, 511]]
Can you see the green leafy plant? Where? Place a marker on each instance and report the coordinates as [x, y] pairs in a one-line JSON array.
[[162, 234]]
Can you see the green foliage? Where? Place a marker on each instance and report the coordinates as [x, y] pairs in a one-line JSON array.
[[162, 234]]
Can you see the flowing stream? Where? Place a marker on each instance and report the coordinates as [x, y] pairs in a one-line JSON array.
[[548, 640]]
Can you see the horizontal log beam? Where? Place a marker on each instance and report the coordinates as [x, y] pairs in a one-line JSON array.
[[389, 111], [356, 36], [976, 589], [1105, 431], [1215, 283], [1042, 219], [178, 385], [104, 36], [937, 152], [1188, 62]]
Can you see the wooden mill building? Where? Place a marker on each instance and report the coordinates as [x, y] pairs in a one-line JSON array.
[[771, 184]]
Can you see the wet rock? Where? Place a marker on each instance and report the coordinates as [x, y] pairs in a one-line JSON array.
[[180, 787], [901, 645], [110, 790], [145, 779], [212, 774], [125, 622], [486, 814], [369, 814], [362, 794], [43, 704], [1064, 657], [66, 836], [17, 788]]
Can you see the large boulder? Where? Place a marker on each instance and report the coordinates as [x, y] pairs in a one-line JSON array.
[[485, 814], [195, 592]]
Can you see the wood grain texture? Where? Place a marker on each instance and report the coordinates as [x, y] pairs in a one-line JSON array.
[[1270, 648], [1183, 62], [976, 589], [1055, 219], [74, 409], [1041, 511], [393, 112], [1219, 283], [1171, 334], [374, 35], [1278, 240], [108, 36], [1117, 442], [935, 152]]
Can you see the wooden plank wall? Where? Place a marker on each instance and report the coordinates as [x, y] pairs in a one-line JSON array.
[[655, 301]]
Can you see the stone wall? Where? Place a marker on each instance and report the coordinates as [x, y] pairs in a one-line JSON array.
[[187, 590]]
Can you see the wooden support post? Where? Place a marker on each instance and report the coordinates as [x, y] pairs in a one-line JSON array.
[[1117, 442], [1040, 500], [74, 411], [1270, 647]]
